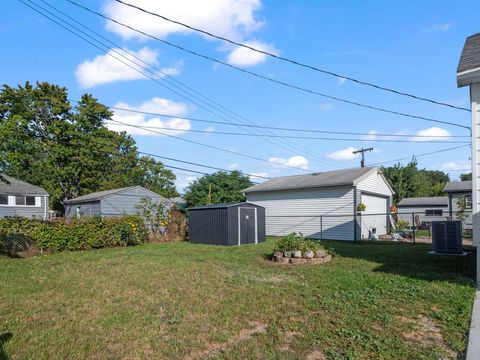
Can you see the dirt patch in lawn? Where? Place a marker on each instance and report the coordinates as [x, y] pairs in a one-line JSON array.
[[217, 348], [426, 332], [287, 341], [316, 355]]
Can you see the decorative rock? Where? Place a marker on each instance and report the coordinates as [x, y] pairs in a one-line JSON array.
[[278, 253], [327, 258], [297, 254], [320, 254], [281, 259], [315, 261], [308, 254], [298, 261], [287, 254]]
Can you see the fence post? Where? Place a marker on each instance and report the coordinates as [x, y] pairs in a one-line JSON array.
[[413, 226], [321, 227]]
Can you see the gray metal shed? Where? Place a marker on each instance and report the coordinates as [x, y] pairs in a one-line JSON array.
[[227, 224]]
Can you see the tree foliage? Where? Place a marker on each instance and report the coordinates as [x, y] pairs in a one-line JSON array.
[[67, 149], [216, 188], [465, 177], [409, 181]]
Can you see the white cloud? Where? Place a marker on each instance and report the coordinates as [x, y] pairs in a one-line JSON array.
[[258, 175], [104, 69], [343, 154], [232, 166], [341, 81], [326, 106], [294, 161], [443, 27], [241, 56], [156, 105], [230, 18], [184, 180], [457, 165], [210, 129], [372, 135], [433, 133]]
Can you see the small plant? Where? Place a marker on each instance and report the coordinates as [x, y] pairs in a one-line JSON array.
[[402, 225], [297, 242], [393, 209], [361, 207]]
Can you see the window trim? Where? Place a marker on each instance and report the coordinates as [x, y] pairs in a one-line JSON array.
[[12, 202], [433, 212]]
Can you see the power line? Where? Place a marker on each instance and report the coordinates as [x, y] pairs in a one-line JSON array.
[[419, 155], [398, 113], [279, 128], [298, 137], [295, 62], [153, 73]]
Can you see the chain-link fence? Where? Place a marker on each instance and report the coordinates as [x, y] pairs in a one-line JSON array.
[[403, 226]]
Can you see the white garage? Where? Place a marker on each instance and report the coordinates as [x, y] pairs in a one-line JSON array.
[[324, 205]]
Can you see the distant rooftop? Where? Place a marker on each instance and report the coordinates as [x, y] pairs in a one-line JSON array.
[[12, 186], [424, 201], [458, 186], [99, 195]]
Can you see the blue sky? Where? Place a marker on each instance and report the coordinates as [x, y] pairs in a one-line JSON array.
[[407, 45]]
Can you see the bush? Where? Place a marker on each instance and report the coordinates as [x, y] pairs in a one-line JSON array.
[[71, 234], [296, 241]]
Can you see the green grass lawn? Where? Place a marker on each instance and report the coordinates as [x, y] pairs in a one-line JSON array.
[[180, 300]]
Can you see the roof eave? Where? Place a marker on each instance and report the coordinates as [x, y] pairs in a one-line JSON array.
[[299, 188], [468, 77]]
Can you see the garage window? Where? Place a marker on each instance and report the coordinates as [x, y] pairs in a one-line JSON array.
[[434, 212], [3, 200]]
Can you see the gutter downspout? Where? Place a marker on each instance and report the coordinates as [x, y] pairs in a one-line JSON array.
[[45, 209], [355, 213]]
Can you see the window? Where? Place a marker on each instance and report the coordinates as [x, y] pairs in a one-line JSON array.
[[3, 200], [468, 201], [433, 212], [22, 200]]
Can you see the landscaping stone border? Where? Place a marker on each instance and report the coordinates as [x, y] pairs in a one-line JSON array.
[[307, 258]]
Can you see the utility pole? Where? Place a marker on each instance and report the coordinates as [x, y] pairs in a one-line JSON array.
[[209, 200], [363, 151]]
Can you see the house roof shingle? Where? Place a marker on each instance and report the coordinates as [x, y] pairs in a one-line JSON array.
[[99, 195], [424, 201], [470, 58], [12, 186], [458, 186], [342, 177]]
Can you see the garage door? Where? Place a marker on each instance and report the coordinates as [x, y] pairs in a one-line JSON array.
[[375, 215]]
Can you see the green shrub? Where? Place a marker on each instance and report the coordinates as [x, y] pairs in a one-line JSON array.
[[296, 241], [71, 234]]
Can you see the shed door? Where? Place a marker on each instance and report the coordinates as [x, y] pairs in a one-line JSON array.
[[247, 219], [375, 215]]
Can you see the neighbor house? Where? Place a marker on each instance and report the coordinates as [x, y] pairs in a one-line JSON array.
[[109, 203], [19, 198], [423, 209], [324, 205], [460, 192], [468, 74]]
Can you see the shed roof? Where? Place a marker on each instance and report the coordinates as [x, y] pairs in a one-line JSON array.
[[99, 195], [470, 58], [316, 180], [424, 201], [221, 206], [458, 186], [11, 186]]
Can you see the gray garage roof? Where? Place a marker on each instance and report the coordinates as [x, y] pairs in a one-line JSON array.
[[222, 206], [424, 201], [343, 177], [12, 186], [458, 186], [97, 196], [470, 58]]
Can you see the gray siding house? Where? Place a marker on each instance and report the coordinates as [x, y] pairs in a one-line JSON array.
[[426, 209], [19, 198], [323, 205], [109, 203]]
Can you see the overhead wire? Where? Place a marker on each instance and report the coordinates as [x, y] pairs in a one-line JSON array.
[[292, 61]]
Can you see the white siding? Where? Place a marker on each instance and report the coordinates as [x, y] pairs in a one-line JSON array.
[[375, 183], [475, 106], [125, 203], [300, 211], [455, 208]]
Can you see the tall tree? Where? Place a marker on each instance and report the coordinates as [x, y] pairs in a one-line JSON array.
[[68, 150], [216, 188], [465, 177]]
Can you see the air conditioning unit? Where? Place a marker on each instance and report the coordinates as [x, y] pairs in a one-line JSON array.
[[447, 237]]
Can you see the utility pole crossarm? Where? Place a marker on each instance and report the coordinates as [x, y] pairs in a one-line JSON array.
[[362, 151]]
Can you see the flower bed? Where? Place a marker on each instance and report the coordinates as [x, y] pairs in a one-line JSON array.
[[295, 249]]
